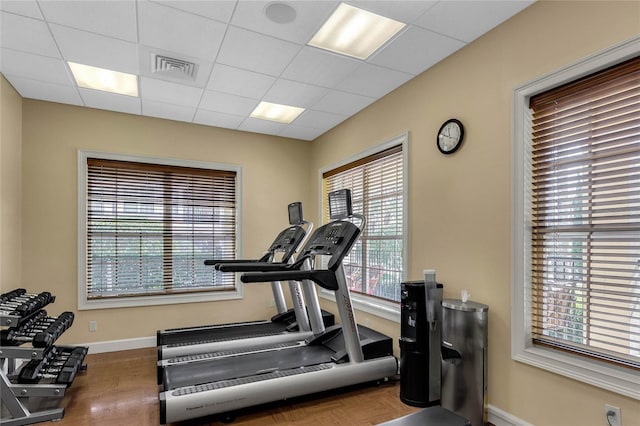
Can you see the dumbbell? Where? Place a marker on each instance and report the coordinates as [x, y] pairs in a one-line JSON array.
[[60, 325], [20, 299], [40, 330], [43, 333], [59, 365], [4, 297], [31, 305], [30, 371], [7, 336]]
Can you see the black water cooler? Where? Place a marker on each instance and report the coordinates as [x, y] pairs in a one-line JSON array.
[[419, 336], [420, 355]]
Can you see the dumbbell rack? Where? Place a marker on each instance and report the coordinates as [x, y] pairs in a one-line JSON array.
[[34, 373]]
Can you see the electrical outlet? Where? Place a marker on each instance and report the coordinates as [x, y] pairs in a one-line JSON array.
[[93, 326], [612, 415]]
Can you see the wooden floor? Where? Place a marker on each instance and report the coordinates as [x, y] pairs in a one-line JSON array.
[[120, 389]]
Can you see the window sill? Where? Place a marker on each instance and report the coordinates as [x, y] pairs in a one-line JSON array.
[[131, 302], [371, 305], [606, 376]]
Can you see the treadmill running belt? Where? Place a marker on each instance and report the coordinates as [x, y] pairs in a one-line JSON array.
[[251, 364], [223, 333]]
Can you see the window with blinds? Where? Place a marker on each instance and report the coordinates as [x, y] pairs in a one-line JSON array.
[[585, 217], [374, 266], [149, 228]]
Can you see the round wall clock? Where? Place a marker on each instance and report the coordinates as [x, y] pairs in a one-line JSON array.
[[450, 136]]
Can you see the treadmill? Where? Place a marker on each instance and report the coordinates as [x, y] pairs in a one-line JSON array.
[[341, 356], [285, 326]]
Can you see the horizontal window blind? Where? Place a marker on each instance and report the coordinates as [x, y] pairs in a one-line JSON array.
[[374, 266], [150, 227], [585, 244]]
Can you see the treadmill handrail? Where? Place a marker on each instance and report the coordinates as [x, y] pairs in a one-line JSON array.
[[215, 262], [251, 267], [323, 277]]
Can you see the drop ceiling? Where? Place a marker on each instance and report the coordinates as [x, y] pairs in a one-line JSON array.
[[240, 55]]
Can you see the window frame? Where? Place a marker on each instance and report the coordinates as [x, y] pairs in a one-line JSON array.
[[84, 303], [598, 373], [383, 308]]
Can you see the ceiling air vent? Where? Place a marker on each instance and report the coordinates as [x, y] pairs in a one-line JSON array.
[[172, 67]]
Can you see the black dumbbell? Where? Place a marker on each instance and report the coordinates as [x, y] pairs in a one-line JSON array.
[[60, 325], [33, 305], [18, 300], [8, 336], [11, 294], [16, 303]]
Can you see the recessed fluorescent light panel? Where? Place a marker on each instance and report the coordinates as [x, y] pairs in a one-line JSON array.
[[276, 112], [355, 32], [105, 80]]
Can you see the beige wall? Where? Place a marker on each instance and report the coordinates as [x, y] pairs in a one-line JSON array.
[[459, 205], [10, 186], [52, 134]]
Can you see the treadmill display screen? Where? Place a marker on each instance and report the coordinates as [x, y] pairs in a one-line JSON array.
[[340, 204], [295, 213]]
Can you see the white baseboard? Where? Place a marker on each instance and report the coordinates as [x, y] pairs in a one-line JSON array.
[[120, 345], [500, 417]]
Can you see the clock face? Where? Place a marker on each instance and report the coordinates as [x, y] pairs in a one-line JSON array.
[[450, 136]]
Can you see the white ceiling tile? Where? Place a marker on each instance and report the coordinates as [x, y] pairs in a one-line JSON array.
[[39, 41], [220, 10], [309, 17], [415, 50], [372, 80], [167, 111], [110, 18], [256, 52], [239, 82], [181, 32], [403, 11], [110, 101], [35, 67], [164, 91], [292, 93], [217, 119], [262, 126], [319, 119], [44, 91], [300, 132], [342, 103], [226, 103], [96, 50], [318, 67], [22, 7], [467, 20]]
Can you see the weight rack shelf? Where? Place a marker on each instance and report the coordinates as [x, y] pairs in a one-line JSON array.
[[34, 373]]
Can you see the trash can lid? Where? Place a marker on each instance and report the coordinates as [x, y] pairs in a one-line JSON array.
[[467, 306]]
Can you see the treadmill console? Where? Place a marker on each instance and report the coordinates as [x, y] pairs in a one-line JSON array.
[[287, 242], [334, 239]]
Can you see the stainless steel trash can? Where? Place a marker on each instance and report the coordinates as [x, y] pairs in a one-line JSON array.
[[464, 359]]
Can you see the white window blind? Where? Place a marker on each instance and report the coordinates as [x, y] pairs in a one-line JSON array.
[[585, 223], [151, 226], [374, 266]]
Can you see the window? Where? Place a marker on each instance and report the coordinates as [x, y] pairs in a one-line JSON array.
[[576, 306], [148, 227], [375, 266]]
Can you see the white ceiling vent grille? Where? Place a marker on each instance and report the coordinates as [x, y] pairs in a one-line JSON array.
[[172, 67]]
